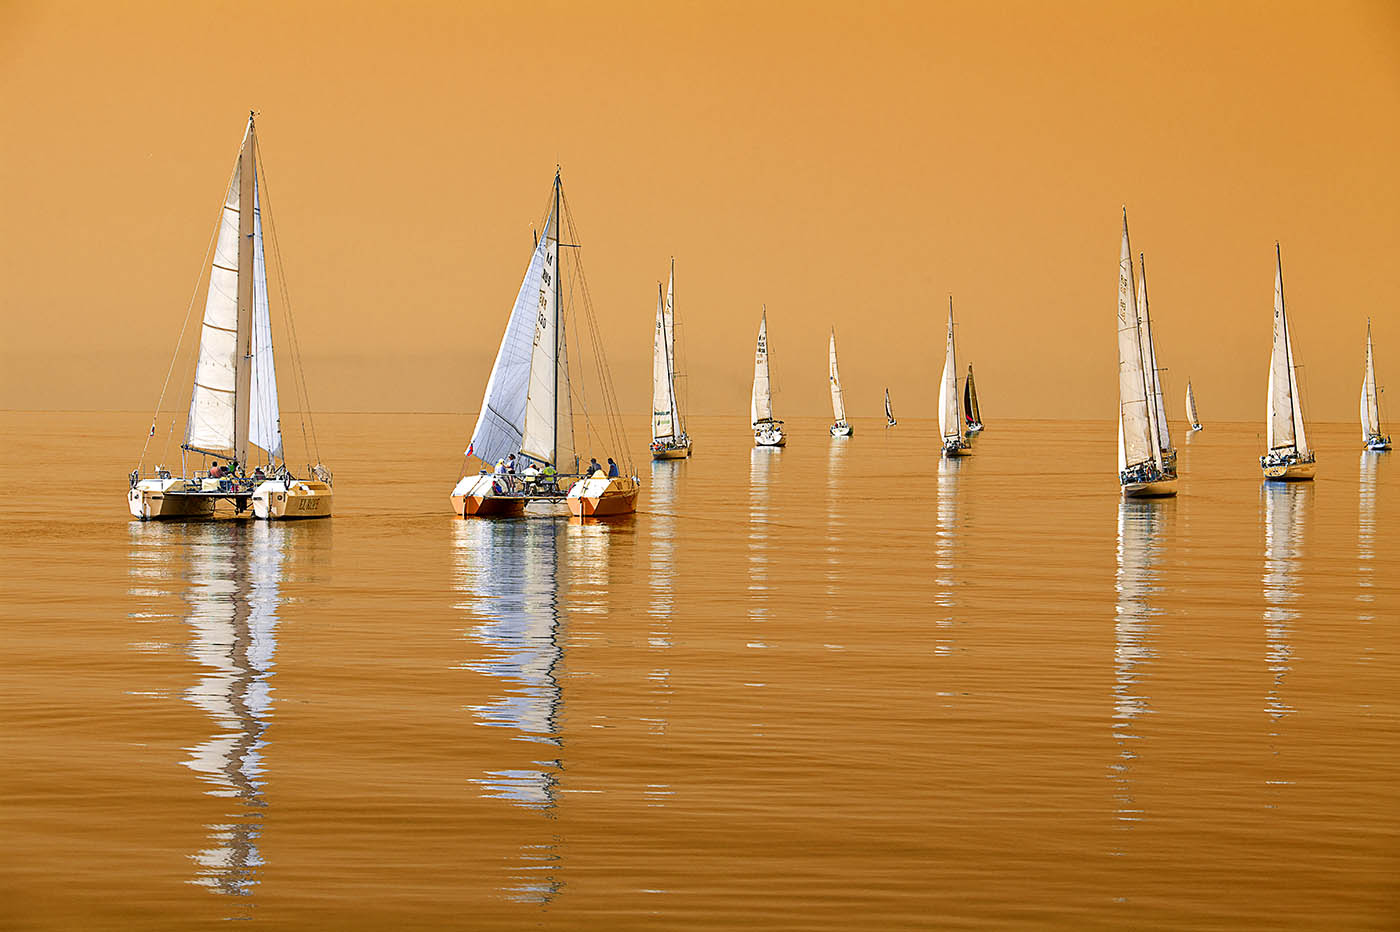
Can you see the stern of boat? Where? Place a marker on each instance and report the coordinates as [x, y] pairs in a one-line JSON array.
[[278, 500], [151, 499], [601, 496], [1154, 488]]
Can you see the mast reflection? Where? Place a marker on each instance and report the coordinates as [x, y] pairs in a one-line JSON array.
[[1139, 544], [1284, 507], [510, 571], [233, 571]]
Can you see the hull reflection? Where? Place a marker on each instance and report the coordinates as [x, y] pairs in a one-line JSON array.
[[1140, 528], [1284, 508]]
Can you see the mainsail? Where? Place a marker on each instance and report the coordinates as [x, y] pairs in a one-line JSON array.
[[950, 422], [971, 411], [761, 402], [1136, 420], [1191, 406], [1370, 402], [663, 388], [1285, 422], [889, 413], [1150, 370], [838, 397]]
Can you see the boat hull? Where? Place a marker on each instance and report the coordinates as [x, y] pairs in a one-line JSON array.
[[974, 429], [281, 501], [1378, 444], [842, 430], [1155, 488], [153, 500], [672, 453], [1290, 472], [957, 448], [602, 497]]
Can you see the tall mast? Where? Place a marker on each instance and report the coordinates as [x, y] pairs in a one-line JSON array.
[[243, 346], [558, 261], [1287, 343]]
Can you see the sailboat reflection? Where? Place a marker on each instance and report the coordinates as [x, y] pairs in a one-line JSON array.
[[510, 572], [1283, 547], [1139, 533], [835, 524], [945, 543], [662, 550], [234, 573], [761, 466], [1366, 536]]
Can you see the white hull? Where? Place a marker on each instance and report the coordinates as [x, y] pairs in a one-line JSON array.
[[957, 448], [1378, 444], [276, 500], [677, 452], [1291, 472], [769, 435], [842, 430]]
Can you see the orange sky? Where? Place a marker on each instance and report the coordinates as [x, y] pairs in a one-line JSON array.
[[851, 165]]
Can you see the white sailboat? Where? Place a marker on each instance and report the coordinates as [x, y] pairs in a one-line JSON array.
[[234, 418], [950, 418], [669, 441], [526, 425], [767, 432], [1191, 408], [842, 427], [972, 411], [1289, 457], [1142, 470], [889, 412], [1371, 404]]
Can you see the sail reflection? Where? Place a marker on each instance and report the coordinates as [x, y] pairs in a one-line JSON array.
[[662, 551], [1139, 544], [510, 572], [835, 523], [945, 544], [761, 469], [1284, 507], [233, 572]]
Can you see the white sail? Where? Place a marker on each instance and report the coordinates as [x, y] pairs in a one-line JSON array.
[[670, 320], [264, 423], [500, 427], [210, 422], [761, 401], [950, 422], [1135, 419], [1151, 372], [1370, 402], [541, 413], [663, 405], [1285, 423], [1191, 407], [838, 398], [889, 413]]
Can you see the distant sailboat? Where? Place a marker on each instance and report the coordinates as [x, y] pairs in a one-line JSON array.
[[1371, 404], [842, 427], [1289, 457], [972, 412], [767, 432], [950, 419], [1191, 408], [1142, 470], [889, 412], [669, 440], [527, 413], [233, 399]]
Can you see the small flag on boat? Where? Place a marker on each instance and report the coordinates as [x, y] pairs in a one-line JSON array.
[[153, 429], [470, 448]]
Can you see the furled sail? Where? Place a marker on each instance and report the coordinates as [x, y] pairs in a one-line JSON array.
[[500, 427], [210, 422], [264, 423], [663, 389], [1285, 423], [838, 397], [1135, 419], [950, 422], [971, 410], [1191, 406], [1370, 402], [1150, 371], [761, 402]]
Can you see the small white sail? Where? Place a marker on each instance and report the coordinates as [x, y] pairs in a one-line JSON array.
[[761, 401], [1370, 402], [210, 422], [1135, 419], [663, 405], [264, 423], [500, 427], [1285, 424], [1191, 406], [950, 422], [838, 397]]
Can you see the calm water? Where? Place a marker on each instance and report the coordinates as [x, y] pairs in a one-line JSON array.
[[834, 686]]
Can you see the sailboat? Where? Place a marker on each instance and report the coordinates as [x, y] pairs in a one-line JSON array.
[[889, 412], [950, 418], [842, 427], [233, 414], [766, 431], [526, 424], [1191, 408], [1371, 404], [972, 412], [1142, 470], [1289, 457], [669, 440]]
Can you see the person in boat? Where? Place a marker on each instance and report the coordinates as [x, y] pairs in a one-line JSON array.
[[592, 467], [500, 467], [548, 477], [258, 474], [612, 469], [216, 471], [510, 464]]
